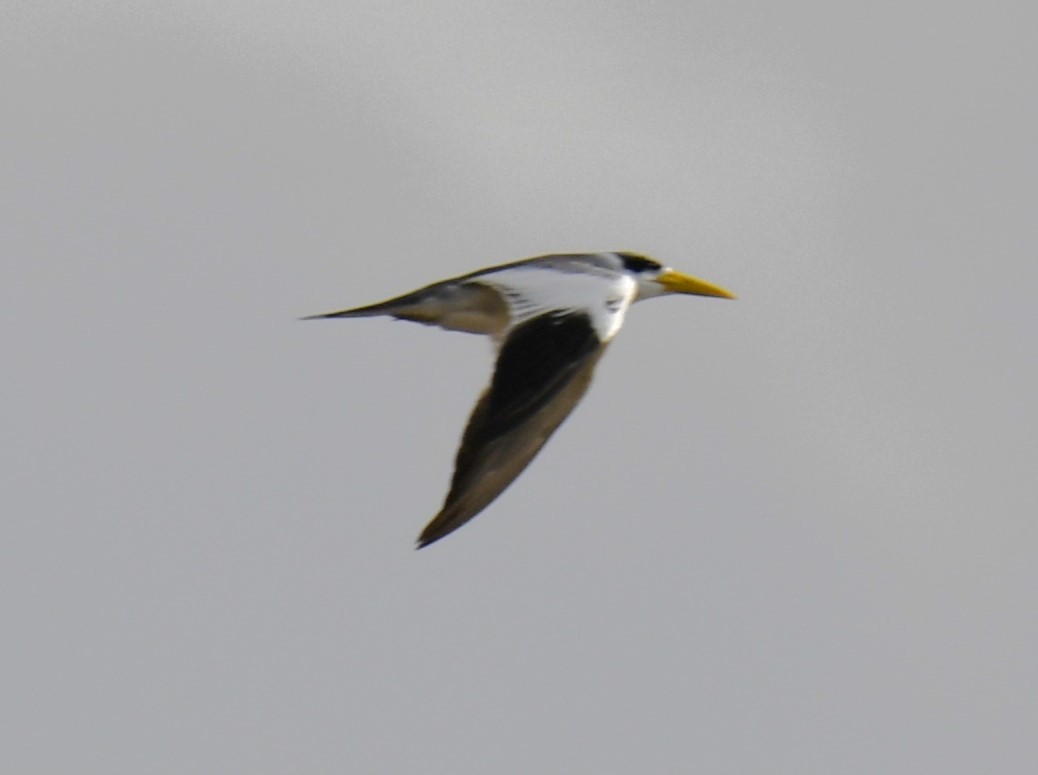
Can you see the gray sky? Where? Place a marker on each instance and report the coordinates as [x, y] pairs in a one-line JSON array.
[[794, 533]]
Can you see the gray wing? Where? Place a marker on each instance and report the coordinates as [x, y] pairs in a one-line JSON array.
[[543, 370], [464, 303], [457, 305]]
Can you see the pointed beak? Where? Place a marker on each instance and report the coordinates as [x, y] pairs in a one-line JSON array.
[[676, 282]]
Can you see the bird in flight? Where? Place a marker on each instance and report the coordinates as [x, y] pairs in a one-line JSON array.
[[550, 318]]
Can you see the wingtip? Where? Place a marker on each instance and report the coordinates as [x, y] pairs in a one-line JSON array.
[[427, 538], [438, 527]]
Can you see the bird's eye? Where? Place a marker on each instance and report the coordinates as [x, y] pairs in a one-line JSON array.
[[638, 264]]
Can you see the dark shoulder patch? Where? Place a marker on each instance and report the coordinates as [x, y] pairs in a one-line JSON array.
[[637, 263]]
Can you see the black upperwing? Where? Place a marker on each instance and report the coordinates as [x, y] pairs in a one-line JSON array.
[[543, 369]]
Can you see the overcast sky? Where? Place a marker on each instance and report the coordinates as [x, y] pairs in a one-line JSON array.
[[794, 533]]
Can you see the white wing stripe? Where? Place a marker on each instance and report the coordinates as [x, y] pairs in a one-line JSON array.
[[533, 291]]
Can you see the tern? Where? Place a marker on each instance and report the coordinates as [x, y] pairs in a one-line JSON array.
[[550, 318]]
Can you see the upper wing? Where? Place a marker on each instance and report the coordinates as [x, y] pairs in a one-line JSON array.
[[456, 306], [543, 369]]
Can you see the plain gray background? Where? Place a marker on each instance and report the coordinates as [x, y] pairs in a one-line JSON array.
[[795, 533]]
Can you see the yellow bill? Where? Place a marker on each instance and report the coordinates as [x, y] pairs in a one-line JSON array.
[[676, 282]]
